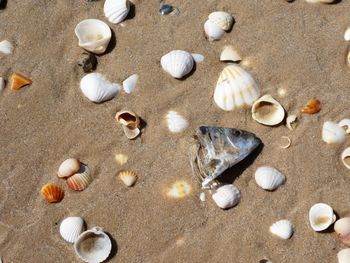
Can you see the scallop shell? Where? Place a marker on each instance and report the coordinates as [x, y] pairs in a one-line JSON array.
[[344, 256], [283, 229], [345, 124], [128, 177], [18, 81], [177, 63], [130, 83], [71, 228], [176, 123], [342, 227], [6, 47], [235, 88], [291, 122], [130, 123], [221, 19], [97, 88], [230, 54], [68, 168], [269, 178], [332, 133], [321, 216], [226, 196], [93, 245], [80, 180], [213, 31], [94, 35], [116, 10], [345, 157], [347, 34], [268, 111], [52, 193]]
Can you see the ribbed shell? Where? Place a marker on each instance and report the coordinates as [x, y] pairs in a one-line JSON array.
[[321, 216], [177, 63], [222, 19], [116, 10], [176, 123], [128, 177], [226, 196], [18, 81], [269, 178], [52, 193], [71, 228], [81, 180], [282, 229]]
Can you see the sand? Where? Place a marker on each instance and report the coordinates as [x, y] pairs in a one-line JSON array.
[[297, 46]]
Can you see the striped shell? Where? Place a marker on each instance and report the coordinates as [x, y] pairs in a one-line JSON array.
[[71, 228], [116, 10], [283, 229], [80, 180], [52, 193], [128, 177], [269, 178], [222, 19], [177, 63]]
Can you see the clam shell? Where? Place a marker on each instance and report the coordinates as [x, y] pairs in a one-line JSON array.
[[230, 54], [198, 58], [344, 256], [68, 168], [176, 123], [6, 47], [268, 111], [18, 81], [93, 245], [80, 180], [332, 133], [52, 193], [342, 227], [130, 83], [283, 229], [345, 157], [116, 10], [177, 63], [347, 34], [213, 31], [345, 124], [235, 88], [71, 228], [221, 19], [269, 178], [321, 216], [97, 88], [93, 35], [226, 196], [128, 177]]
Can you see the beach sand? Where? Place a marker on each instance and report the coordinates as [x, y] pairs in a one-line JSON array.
[[297, 46]]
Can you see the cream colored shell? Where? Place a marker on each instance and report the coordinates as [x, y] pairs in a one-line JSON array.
[[222, 19], [116, 10], [332, 133], [268, 111], [345, 157], [321, 216], [283, 229], [226, 196]]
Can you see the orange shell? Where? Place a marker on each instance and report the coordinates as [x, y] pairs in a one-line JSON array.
[[312, 106], [80, 181], [52, 193], [128, 177], [18, 81]]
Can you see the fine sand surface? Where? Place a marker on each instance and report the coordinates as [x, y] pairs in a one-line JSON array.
[[297, 46]]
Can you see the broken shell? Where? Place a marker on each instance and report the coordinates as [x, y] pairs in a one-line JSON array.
[[2, 84], [321, 216], [291, 122], [347, 34], [52, 193], [130, 123], [93, 245], [230, 54], [71, 228], [68, 167], [6, 47], [342, 227], [197, 57], [345, 157], [130, 83], [226, 196], [235, 88], [80, 180], [18, 81], [268, 111], [176, 123], [177, 63], [213, 31], [289, 142], [345, 124], [94, 35], [312, 106], [269, 178], [283, 229], [344, 256], [332, 133], [88, 62], [128, 177], [221, 19], [116, 11]]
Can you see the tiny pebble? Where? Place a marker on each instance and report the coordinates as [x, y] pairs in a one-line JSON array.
[[165, 9]]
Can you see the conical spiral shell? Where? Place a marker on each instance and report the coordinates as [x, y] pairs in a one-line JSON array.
[[52, 193]]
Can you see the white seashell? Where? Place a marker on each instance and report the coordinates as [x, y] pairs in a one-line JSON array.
[[93, 245], [344, 256], [2, 84], [94, 35], [130, 83], [176, 123], [213, 31], [6, 47], [282, 229], [291, 119], [320, 1], [226, 196], [202, 196], [97, 89], [68, 167], [345, 124], [269, 178], [347, 34], [71, 228], [345, 157], [197, 57], [116, 10], [332, 133], [222, 19], [268, 111], [230, 54], [321, 216], [235, 88], [177, 63], [342, 227]]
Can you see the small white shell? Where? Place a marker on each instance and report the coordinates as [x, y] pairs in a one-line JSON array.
[[347, 34], [291, 119], [268, 111], [221, 19], [116, 10], [2, 84], [202, 196], [344, 256], [226, 196], [345, 124], [6, 47], [71, 228], [97, 89], [177, 63], [283, 229], [213, 31], [94, 35], [197, 57], [130, 83], [321, 216], [332, 133], [230, 54], [68, 167], [269, 178], [176, 123], [342, 227], [345, 157]]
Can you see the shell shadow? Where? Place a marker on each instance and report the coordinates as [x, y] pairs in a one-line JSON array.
[[190, 73], [335, 2], [132, 12], [3, 4], [233, 24], [112, 44], [143, 124], [114, 249]]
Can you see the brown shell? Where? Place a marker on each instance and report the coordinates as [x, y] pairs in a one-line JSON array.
[[52, 193], [18, 81], [128, 119], [312, 106]]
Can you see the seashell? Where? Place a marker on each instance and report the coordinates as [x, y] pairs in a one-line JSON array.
[[94, 35], [6, 47], [93, 245], [88, 62], [80, 180], [52, 193], [342, 227], [130, 83], [177, 63], [97, 88], [18, 81], [221, 19], [312, 106], [226, 196], [235, 88], [202, 196], [320, 1], [71, 228], [345, 157], [269, 178], [197, 57], [283, 229], [347, 34], [179, 189], [121, 158], [291, 122], [332, 133], [268, 111], [345, 124], [289, 142], [116, 10], [128, 177], [344, 256], [165, 9], [176, 123], [2, 84], [265, 261], [213, 31], [321, 216], [68, 167], [130, 123], [230, 54]]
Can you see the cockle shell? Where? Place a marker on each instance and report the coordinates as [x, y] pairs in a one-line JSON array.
[[93, 245], [18, 81], [128, 177], [71, 228], [68, 168], [213, 31], [230, 54], [81, 179], [347, 34], [94, 35], [130, 83], [130, 123], [342, 227], [52, 193], [269, 178], [226, 196], [321, 216], [177, 63], [176, 123], [332, 133], [283, 229], [97, 88], [235, 88], [268, 111], [345, 157], [345, 124], [344, 256], [116, 10], [221, 19], [6, 47]]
